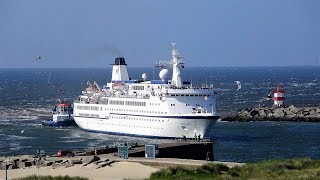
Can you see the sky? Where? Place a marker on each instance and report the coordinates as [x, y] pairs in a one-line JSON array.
[[82, 33]]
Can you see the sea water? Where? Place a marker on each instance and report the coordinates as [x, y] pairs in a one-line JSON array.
[[28, 95]]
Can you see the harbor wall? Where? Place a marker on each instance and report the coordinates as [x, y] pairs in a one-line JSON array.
[[181, 150], [290, 113]]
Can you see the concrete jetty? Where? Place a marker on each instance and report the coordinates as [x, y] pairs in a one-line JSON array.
[[182, 149], [190, 149], [290, 113]]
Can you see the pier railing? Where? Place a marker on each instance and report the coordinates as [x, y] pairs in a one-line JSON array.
[[204, 139]]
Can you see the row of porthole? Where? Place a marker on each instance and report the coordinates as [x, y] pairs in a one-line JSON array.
[[155, 104], [189, 95], [141, 111], [140, 119], [128, 126]]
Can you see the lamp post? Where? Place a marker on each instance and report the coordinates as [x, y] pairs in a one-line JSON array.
[[6, 169]]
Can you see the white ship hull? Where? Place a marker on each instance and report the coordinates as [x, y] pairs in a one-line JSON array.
[[157, 127]]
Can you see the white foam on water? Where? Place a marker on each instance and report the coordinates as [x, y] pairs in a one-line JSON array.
[[14, 146], [221, 89], [294, 84], [16, 137], [61, 129], [309, 84], [70, 141], [5, 123]]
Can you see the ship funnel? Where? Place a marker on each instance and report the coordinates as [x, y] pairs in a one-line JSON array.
[[119, 70], [119, 61]]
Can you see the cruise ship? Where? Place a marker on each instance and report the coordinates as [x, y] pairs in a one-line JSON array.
[[164, 108]]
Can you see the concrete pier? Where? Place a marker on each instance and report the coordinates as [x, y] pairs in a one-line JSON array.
[[180, 150]]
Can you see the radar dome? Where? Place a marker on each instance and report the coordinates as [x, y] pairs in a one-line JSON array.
[[144, 76], [163, 74]]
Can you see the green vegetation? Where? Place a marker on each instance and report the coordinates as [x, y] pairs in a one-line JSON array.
[[34, 177], [271, 169]]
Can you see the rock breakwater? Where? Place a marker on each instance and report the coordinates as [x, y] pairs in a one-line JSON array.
[[290, 113]]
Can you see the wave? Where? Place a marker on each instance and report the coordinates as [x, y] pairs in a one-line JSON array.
[[16, 137], [223, 90], [70, 141], [23, 113]]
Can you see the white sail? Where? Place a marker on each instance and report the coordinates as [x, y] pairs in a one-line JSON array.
[[238, 84]]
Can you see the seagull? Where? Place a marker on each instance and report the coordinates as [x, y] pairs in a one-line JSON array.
[[22, 131], [38, 58]]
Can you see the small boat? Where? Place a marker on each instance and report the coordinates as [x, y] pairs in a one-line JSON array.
[[62, 115]]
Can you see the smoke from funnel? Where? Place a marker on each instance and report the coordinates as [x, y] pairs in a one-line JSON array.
[[102, 52], [112, 49]]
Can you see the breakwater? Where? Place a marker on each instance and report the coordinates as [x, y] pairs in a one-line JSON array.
[[290, 113]]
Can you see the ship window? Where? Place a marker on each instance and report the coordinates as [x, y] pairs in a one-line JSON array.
[[191, 94], [138, 87]]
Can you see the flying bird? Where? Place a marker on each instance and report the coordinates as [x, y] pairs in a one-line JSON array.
[[38, 58], [22, 131], [239, 85]]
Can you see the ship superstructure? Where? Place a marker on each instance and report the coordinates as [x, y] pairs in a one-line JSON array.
[[151, 108]]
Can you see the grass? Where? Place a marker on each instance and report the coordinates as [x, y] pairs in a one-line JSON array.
[[271, 169], [34, 177]]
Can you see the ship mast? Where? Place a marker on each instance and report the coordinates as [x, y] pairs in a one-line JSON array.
[[176, 65]]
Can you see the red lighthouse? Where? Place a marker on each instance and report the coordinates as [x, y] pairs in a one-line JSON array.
[[278, 97]]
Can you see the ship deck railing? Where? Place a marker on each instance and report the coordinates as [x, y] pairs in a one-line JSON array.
[[190, 87], [99, 101], [204, 139]]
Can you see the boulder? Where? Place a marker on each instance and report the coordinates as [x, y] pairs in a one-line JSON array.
[[262, 113], [3, 165], [104, 164], [47, 163], [312, 112], [254, 113], [59, 161], [9, 167], [289, 114], [67, 164], [56, 165], [293, 109], [75, 161], [244, 114], [28, 163], [22, 164], [278, 113], [90, 159]]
